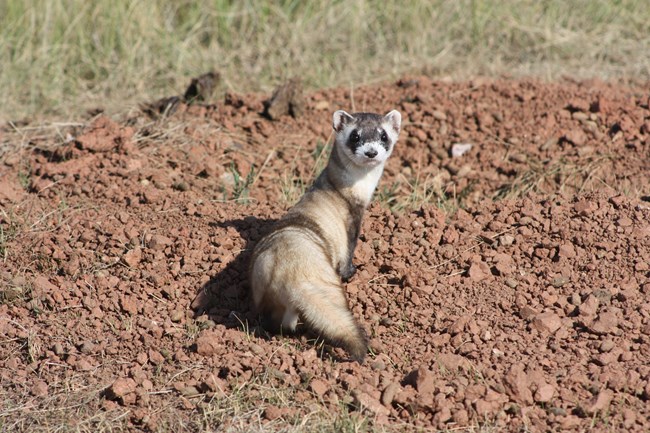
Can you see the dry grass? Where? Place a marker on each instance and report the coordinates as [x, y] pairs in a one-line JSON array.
[[61, 57]]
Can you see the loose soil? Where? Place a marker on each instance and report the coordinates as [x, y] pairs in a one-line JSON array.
[[506, 288]]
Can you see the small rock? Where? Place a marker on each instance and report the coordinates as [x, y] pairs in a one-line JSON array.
[[156, 357], [605, 323], [39, 389], [422, 379], [576, 136], [318, 387], [208, 343], [478, 271], [517, 383], [566, 250], [159, 242], [439, 115], [121, 388], [286, 99], [189, 391], [547, 322], [58, 349], [629, 417], [512, 283], [560, 281], [133, 257], [569, 422], [461, 417], [607, 345], [389, 393], [176, 316], [486, 408], [544, 393], [129, 305], [43, 285], [600, 402], [498, 353], [87, 347], [83, 364], [584, 207], [366, 402], [506, 239], [453, 362], [589, 307], [604, 296], [606, 358], [527, 312], [272, 412], [459, 325], [460, 149], [624, 222], [142, 358]]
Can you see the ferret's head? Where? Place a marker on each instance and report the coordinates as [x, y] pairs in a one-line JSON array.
[[367, 139]]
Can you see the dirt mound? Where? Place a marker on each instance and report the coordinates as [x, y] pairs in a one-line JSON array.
[[124, 246]]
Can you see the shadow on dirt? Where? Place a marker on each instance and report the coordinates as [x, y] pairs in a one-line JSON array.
[[226, 297]]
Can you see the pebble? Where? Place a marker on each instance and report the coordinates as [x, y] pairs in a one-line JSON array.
[[544, 393], [39, 389], [439, 115], [87, 347], [460, 149], [133, 257], [366, 402], [159, 242], [607, 345], [518, 386], [422, 379], [208, 343], [600, 402], [389, 393], [272, 413], [121, 388], [478, 271], [576, 136], [589, 307], [547, 322], [318, 387], [176, 316], [605, 323]]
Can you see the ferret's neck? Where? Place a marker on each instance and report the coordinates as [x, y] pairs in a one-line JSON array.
[[356, 184]]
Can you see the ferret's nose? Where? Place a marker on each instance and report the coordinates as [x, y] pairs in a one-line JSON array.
[[371, 153]]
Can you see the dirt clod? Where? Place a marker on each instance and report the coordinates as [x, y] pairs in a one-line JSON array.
[[547, 322], [287, 99], [202, 87]]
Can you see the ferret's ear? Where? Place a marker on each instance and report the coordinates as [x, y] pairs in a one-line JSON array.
[[394, 119], [340, 119]]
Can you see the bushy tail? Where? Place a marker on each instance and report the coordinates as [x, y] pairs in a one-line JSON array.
[[324, 309]]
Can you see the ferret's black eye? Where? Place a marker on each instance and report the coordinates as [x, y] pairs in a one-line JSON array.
[[384, 137], [354, 136]]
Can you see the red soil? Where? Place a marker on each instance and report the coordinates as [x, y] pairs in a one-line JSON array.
[[528, 311]]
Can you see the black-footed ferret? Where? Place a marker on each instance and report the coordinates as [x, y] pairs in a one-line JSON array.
[[296, 269]]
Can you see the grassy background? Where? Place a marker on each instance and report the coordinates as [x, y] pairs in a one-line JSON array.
[[60, 57]]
